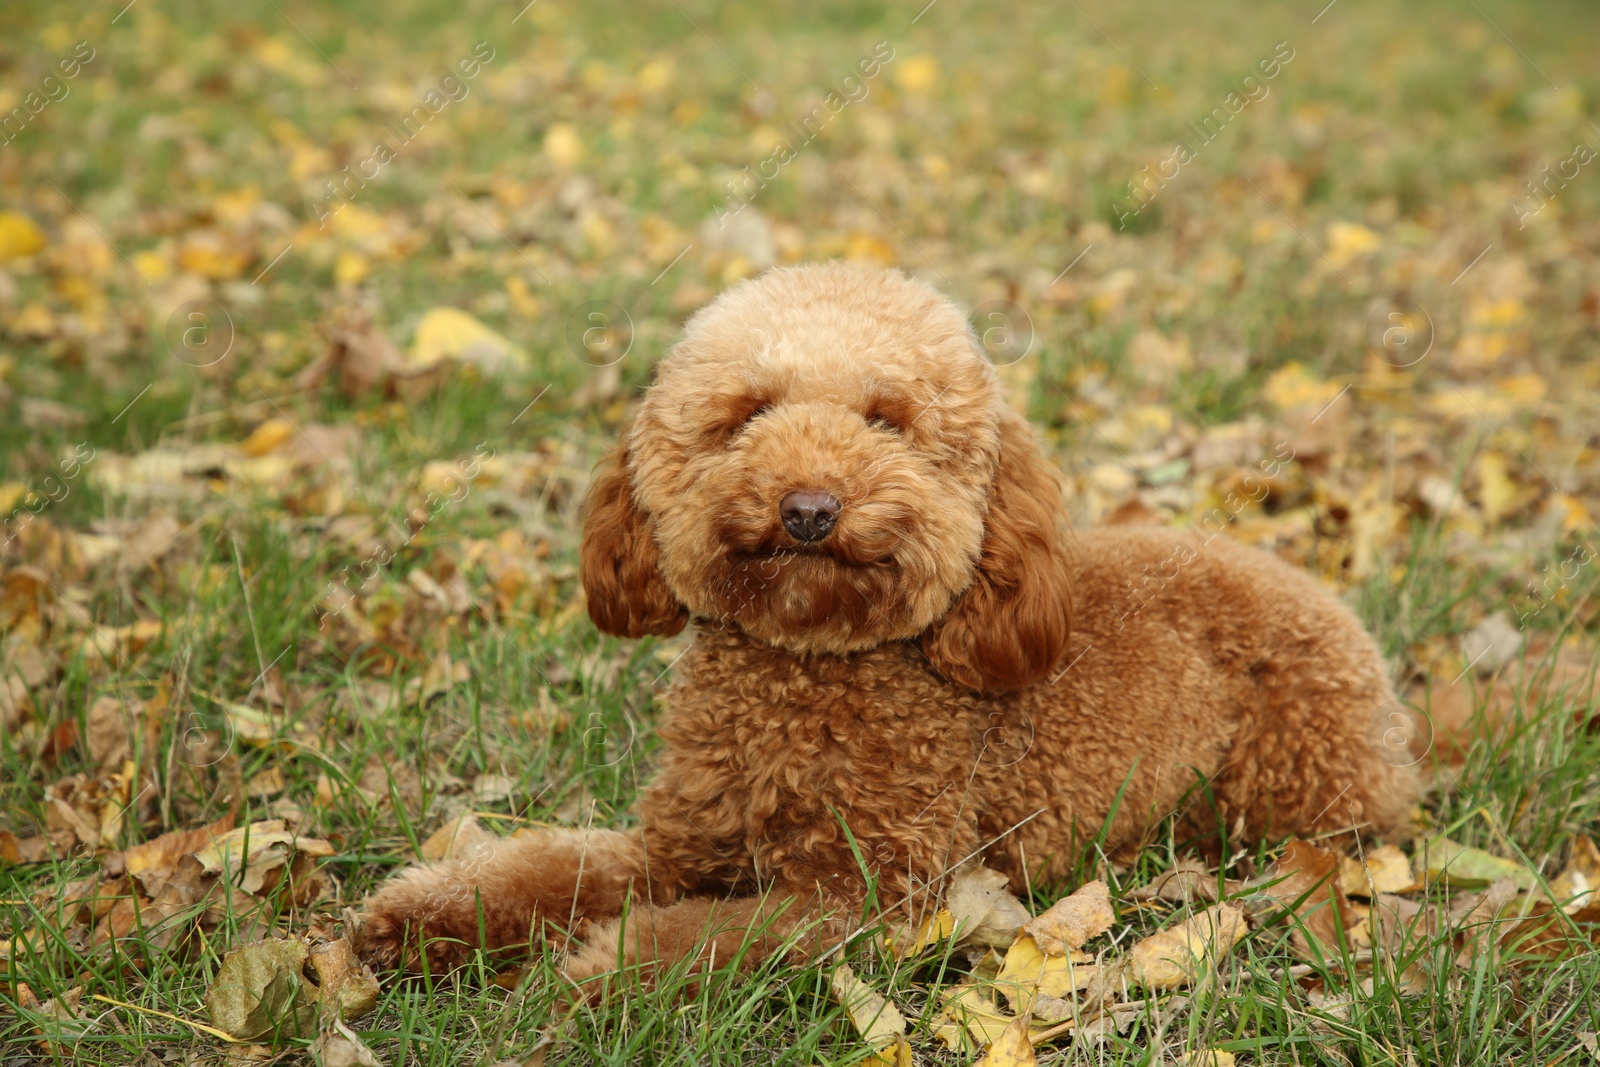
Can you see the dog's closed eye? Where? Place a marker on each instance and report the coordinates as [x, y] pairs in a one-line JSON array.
[[892, 414], [736, 413]]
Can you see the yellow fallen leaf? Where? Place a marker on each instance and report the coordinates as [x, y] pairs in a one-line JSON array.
[[865, 248], [450, 333], [877, 1020], [351, 267], [1349, 240], [968, 1016], [1497, 493], [1012, 1048], [1382, 870], [1176, 956], [562, 146], [916, 74], [1292, 386], [211, 255], [1027, 970], [1073, 920], [268, 436], [930, 931], [895, 1055], [19, 235], [1208, 1057]]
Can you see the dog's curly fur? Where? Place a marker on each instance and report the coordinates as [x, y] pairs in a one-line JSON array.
[[949, 674]]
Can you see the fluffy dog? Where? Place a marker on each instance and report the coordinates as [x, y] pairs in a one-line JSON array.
[[903, 660]]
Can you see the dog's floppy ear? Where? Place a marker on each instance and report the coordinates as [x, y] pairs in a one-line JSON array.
[[1010, 627], [620, 566]]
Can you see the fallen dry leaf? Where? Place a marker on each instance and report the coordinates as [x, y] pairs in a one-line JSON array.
[[256, 857], [1012, 1048], [1208, 1057], [1577, 884], [879, 1022], [1475, 919], [1074, 920], [1028, 970], [1305, 882], [257, 991], [1179, 955], [985, 912], [154, 861], [1464, 867], [1189, 880], [346, 987], [58, 1022], [967, 1017], [339, 1046], [1382, 870], [447, 333], [1393, 927], [460, 837]]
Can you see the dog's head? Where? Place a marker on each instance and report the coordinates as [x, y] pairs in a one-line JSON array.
[[825, 461]]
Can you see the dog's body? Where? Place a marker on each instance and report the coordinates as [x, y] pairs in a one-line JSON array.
[[883, 679]]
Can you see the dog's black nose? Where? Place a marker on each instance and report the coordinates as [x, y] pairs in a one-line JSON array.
[[809, 514]]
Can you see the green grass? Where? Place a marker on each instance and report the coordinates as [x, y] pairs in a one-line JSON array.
[[1418, 122]]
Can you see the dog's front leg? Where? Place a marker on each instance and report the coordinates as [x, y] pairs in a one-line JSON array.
[[504, 896]]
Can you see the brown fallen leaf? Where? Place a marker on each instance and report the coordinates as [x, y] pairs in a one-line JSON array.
[[985, 912], [39, 848], [1462, 713], [1476, 919], [57, 1022], [339, 1046], [1074, 920], [1578, 884], [1189, 880], [1305, 882], [1179, 955], [1393, 927], [1550, 933], [346, 987], [460, 837], [256, 858], [365, 361], [154, 861]]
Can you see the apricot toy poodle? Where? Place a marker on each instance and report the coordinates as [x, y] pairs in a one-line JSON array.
[[903, 660]]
